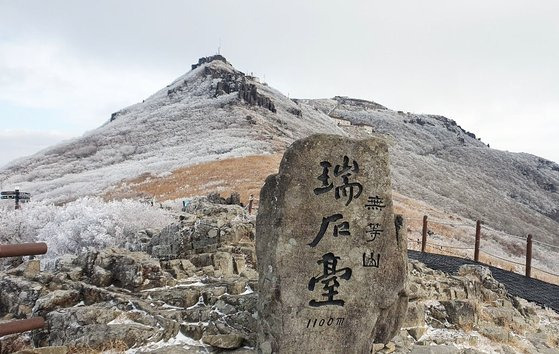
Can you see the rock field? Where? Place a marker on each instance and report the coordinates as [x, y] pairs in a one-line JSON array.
[[192, 288]]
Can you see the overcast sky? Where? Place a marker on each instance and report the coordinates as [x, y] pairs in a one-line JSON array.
[[493, 66]]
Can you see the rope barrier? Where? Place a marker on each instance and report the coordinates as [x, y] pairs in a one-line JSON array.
[[450, 224], [503, 259], [431, 221], [457, 254], [521, 238], [546, 244], [518, 237], [456, 247], [546, 272], [503, 233]]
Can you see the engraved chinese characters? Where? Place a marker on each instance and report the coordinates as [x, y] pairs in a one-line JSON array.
[[329, 279], [329, 260], [331, 264], [347, 189]]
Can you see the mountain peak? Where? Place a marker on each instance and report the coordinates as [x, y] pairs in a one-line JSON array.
[[216, 112], [205, 60]]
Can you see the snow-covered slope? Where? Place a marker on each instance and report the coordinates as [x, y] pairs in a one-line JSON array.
[[188, 122], [435, 160], [217, 112]]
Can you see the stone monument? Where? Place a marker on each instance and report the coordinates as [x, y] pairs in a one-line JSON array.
[[332, 259]]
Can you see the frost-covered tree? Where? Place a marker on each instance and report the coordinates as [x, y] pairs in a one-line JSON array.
[[85, 224]]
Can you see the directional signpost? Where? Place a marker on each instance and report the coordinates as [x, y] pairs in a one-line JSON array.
[[18, 196]]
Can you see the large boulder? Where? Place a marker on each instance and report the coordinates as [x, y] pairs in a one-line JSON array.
[[124, 269], [331, 257]]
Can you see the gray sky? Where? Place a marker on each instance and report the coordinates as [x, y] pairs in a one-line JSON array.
[[490, 65]]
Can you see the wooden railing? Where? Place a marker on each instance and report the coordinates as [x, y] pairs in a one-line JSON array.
[[528, 268]]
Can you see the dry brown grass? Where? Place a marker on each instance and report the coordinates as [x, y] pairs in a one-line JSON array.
[[244, 175]]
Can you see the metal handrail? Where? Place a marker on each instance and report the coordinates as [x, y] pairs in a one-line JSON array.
[[20, 326], [23, 249]]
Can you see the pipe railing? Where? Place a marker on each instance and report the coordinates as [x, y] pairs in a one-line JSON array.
[[24, 249]]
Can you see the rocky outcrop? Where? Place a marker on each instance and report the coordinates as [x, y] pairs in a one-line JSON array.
[[209, 59], [204, 228], [233, 199], [465, 313], [249, 93], [117, 299], [81, 314], [471, 310], [18, 295], [235, 81]]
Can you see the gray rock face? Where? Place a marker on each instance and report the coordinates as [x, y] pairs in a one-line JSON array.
[[122, 268], [332, 265], [209, 59], [204, 227], [224, 341], [88, 318]]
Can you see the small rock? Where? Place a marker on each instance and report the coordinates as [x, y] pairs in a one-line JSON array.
[[508, 350], [208, 270], [417, 332], [225, 308], [390, 347], [223, 341], [212, 233], [462, 313], [494, 333], [250, 274], [434, 349], [187, 266], [415, 315], [201, 260], [179, 296], [32, 268], [194, 331], [237, 287], [239, 263], [377, 347], [56, 299], [100, 277], [223, 261], [179, 268]]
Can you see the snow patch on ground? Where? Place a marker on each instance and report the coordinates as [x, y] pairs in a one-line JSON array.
[[179, 340]]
